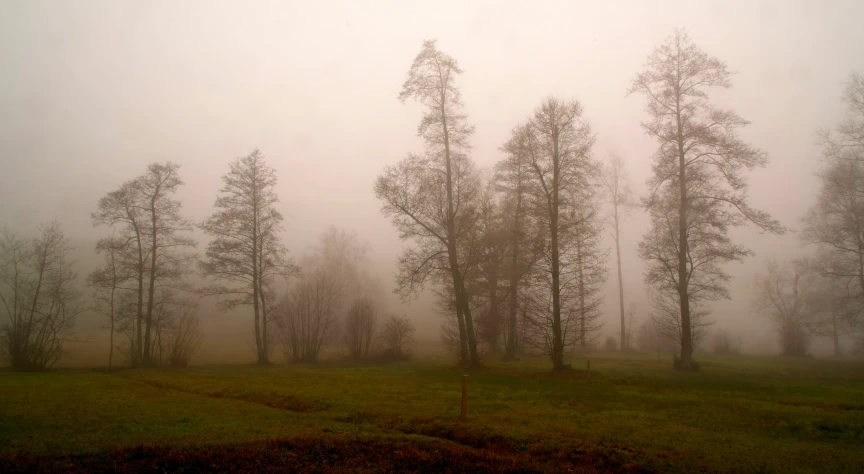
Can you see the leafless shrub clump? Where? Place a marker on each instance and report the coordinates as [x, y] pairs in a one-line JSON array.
[[39, 297], [185, 340], [307, 317], [395, 337], [359, 329]]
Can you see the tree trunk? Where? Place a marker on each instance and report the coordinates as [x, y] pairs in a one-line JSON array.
[[510, 343], [458, 284], [264, 342], [494, 324], [583, 340], [683, 293], [463, 340], [624, 341], [151, 290], [557, 333]]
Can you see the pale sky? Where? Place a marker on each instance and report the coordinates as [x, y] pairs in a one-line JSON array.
[[93, 91]]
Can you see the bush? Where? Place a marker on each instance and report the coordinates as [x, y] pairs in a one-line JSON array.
[[611, 344], [395, 336], [185, 341]]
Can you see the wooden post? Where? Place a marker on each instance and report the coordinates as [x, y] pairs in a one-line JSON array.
[[464, 413], [589, 370]]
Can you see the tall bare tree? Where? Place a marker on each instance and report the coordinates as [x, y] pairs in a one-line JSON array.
[[39, 296], [431, 199], [514, 178], [111, 283], [168, 265], [492, 241], [121, 210], [699, 164], [246, 254], [619, 196], [557, 145], [584, 283], [835, 224], [144, 213]]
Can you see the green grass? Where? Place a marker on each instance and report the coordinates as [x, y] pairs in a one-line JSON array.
[[740, 414]]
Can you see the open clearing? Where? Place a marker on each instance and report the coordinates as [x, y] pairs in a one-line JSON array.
[[740, 414]]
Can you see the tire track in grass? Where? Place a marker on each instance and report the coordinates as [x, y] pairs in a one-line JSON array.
[[289, 403]]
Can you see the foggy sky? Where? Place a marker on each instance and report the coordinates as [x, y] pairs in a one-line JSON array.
[[93, 91]]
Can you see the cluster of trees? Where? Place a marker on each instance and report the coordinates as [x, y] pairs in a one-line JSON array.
[[339, 303], [515, 253], [823, 294], [529, 236], [151, 280]]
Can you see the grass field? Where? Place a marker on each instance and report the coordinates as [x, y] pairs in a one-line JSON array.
[[740, 414]]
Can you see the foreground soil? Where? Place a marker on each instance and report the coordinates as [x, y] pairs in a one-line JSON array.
[[331, 454]]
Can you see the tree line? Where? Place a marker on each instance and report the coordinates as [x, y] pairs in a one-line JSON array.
[[513, 254]]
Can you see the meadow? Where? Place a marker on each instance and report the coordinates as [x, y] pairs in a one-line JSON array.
[[635, 414]]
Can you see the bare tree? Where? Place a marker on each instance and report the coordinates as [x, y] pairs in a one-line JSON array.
[[780, 294], [341, 254], [246, 254], [525, 235], [834, 302], [557, 145], [583, 248], [185, 340], [431, 199], [697, 171], [120, 209], [849, 135], [492, 241], [308, 315], [148, 218], [395, 336], [167, 264], [836, 222], [40, 298], [359, 329], [111, 282], [619, 196]]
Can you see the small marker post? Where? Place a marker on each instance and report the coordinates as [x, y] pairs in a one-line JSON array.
[[589, 370], [463, 415]]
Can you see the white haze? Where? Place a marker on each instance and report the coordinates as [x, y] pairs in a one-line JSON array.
[[93, 91]]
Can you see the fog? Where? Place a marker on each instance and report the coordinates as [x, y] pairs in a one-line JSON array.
[[92, 92]]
